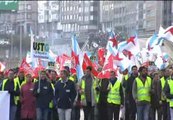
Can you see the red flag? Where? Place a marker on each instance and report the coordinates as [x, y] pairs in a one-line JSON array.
[[26, 67], [88, 62], [62, 59], [101, 58]]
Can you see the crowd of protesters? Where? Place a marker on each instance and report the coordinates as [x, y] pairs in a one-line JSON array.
[[140, 95]]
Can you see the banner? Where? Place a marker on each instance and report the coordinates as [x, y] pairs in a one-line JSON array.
[[9, 5], [40, 50], [4, 105]]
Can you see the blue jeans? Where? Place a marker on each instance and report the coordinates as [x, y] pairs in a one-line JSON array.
[[143, 112], [13, 110], [64, 114], [171, 111], [42, 113]]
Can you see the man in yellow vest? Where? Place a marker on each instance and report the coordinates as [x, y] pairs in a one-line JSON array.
[[88, 94], [12, 87], [142, 94], [115, 97], [169, 94], [20, 79], [163, 100]]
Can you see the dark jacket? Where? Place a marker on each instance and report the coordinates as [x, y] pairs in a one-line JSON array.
[[65, 94], [46, 93], [155, 93], [128, 88], [9, 86], [102, 89]]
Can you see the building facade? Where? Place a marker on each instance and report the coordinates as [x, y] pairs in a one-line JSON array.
[[131, 17], [79, 17]]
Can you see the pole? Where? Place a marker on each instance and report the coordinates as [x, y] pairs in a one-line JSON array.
[[20, 42]]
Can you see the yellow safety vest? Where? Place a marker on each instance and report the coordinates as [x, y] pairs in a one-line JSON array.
[[143, 91], [70, 78], [126, 77], [18, 83], [163, 81], [51, 102], [170, 83], [94, 95], [114, 93], [15, 88]]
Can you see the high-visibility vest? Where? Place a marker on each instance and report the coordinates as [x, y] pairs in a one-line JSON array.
[[114, 93], [18, 83], [70, 78], [170, 83], [94, 95], [15, 88], [143, 90], [125, 77], [163, 81], [51, 102]]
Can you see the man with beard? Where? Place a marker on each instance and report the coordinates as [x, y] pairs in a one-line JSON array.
[[130, 105], [141, 93]]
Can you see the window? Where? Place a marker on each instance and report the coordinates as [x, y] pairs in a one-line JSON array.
[[91, 8], [28, 6], [71, 8], [67, 8], [80, 18], [80, 9], [91, 17], [70, 17], [65, 17]]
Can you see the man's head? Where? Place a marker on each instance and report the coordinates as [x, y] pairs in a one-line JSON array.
[[53, 75], [88, 70], [67, 69], [134, 70], [21, 74], [43, 75], [112, 75], [10, 74], [143, 72], [167, 72], [28, 77], [125, 72], [64, 74]]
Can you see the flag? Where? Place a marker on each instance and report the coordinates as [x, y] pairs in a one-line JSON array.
[[63, 60], [2, 67], [88, 62], [26, 67], [168, 34], [113, 39], [101, 56], [76, 54], [152, 41]]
